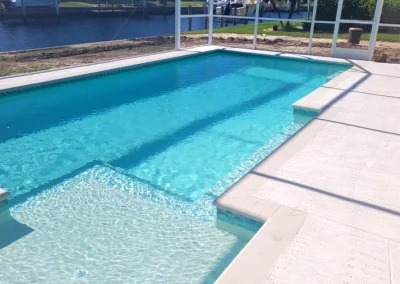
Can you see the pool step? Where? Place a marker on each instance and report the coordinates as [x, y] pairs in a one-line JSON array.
[[145, 182], [4, 195], [201, 208], [22, 197], [113, 177], [11, 230], [256, 260], [118, 178]]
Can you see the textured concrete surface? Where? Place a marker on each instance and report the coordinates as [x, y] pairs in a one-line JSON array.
[[343, 170], [328, 252], [394, 258], [349, 170]]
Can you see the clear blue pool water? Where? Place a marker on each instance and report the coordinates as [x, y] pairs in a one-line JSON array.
[[115, 174]]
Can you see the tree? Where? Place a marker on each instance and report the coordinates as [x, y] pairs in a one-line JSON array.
[[273, 6], [293, 4]]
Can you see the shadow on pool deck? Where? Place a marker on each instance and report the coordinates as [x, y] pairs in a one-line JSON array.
[[366, 75], [331, 194]]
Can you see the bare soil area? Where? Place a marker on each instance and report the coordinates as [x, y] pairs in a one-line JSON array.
[[43, 59], [384, 51]]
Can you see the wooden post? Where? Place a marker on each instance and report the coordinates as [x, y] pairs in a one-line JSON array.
[[235, 13], [354, 35], [247, 11], [222, 13], [190, 19]]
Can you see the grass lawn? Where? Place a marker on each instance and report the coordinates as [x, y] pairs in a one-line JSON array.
[[75, 4], [152, 2], [183, 3], [294, 31], [188, 3]]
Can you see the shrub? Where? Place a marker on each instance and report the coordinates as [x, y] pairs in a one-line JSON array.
[[391, 12], [352, 9], [357, 10]]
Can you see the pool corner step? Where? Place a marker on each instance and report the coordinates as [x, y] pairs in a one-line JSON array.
[[303, 116], [280, 225], [258, 257]]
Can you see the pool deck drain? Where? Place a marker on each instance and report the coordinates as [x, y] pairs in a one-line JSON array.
[[329, 196]]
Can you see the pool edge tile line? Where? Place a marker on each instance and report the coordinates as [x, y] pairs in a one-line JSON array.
[[322, 97], [23, 81]]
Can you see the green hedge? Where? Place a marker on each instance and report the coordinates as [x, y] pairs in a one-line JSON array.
[[391, 12], [356, 9], [360, 10]]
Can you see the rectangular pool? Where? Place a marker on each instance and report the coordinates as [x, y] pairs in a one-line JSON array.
[[112, 177]]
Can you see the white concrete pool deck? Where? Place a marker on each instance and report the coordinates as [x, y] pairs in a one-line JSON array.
[[329, 196]]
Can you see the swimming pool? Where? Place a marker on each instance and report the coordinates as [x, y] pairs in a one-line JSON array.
[[114, 175]]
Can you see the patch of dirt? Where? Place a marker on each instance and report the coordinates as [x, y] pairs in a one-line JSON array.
[[384, 51], [74, 55]]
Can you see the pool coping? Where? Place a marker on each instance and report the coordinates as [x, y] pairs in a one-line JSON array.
[[281, 223], [22, 81], [31, 80]]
